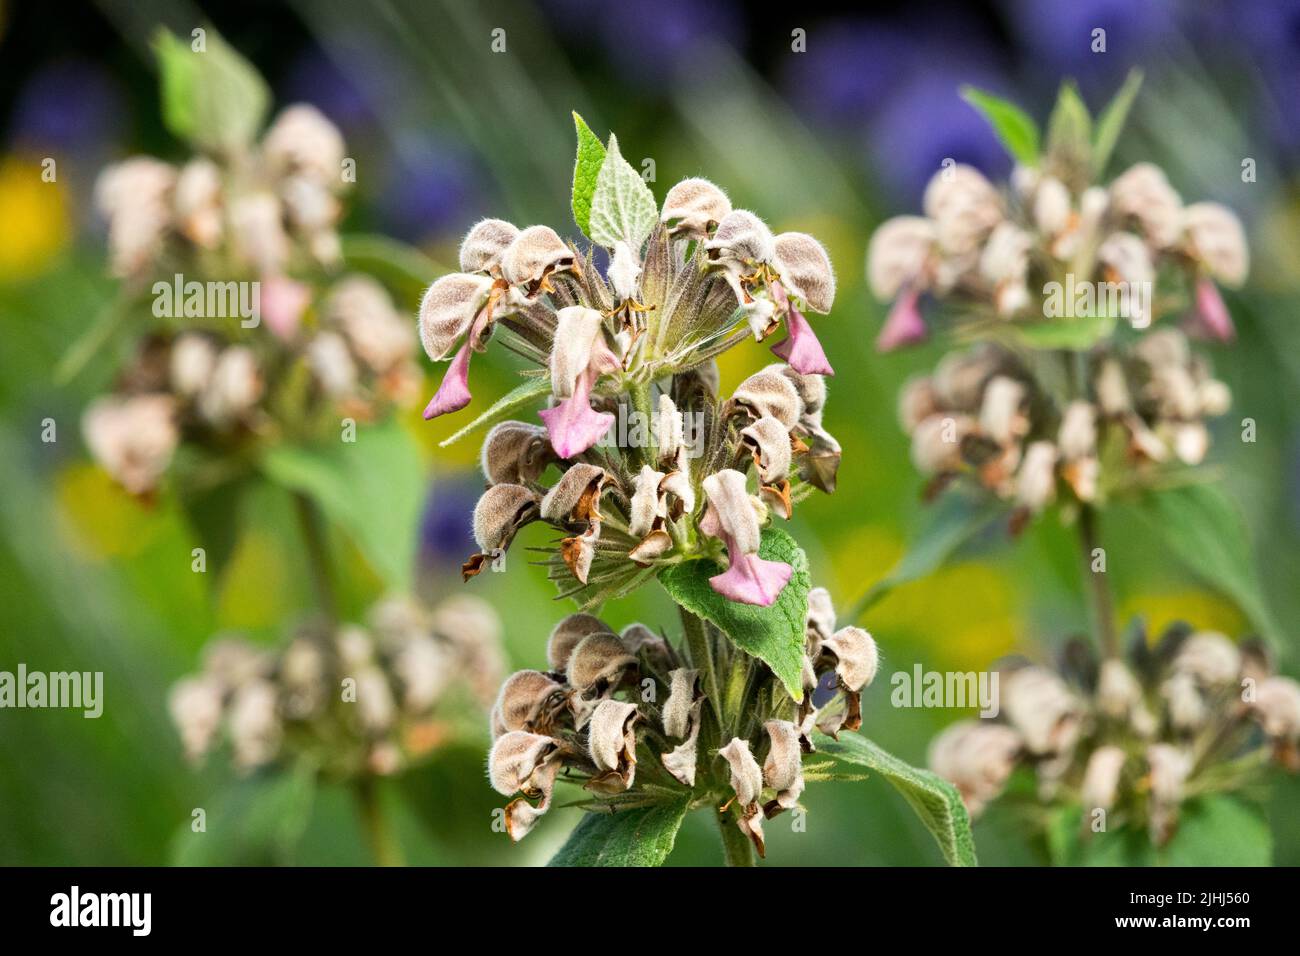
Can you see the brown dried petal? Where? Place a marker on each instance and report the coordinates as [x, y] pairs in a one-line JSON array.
[[576, 496]]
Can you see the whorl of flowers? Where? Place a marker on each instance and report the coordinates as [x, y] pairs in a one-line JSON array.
[[621, 714], [636, 347], [353, 700], [1194, 713], [265, 218], [983, 414], [989, 253]]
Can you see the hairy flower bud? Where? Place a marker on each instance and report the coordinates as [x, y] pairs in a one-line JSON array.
[[741, 239], [598, 665], [1143, 193], [611, 743], [195, 707], [448, 310], [1002, 415], [1042, 708], [977, 757], [769, 442], [769, 393], [805, 270], [1170, 767], [1277, 707], [302, 140], [499, 514], [528, 700], [746, 774], [1036, 480], [132, 438], [485, 245], [567, 634], [783, 768], [964, 206], [515, 453], [1215, 239], [1078, 435], [693, 209], [576, 496], [1209, 657], [198, 203], [1101, 778], [533, 256], [514, 760], [648, 505], [856, 657], [899, 254], [254, 724]]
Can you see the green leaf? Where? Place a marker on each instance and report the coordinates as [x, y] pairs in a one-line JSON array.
[[404, 269], [1207, 533], [1076, 335], [255, 822], [935, 800], [1111, 121], [586, 169], [1219, 830], [947, 525], [622, 207], [1213, 830], [524, 393], [216, 513], [213, 98], [775, 634], [1069, 137], [642, 836], [1014, 128], [371, 488]]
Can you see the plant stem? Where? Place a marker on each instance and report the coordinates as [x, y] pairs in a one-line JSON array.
[[697, 641], [641, 402], [379, 835], [736, 848], [313, 533], [1103, 611]]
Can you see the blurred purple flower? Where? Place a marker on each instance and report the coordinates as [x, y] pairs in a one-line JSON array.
[[317, 79], [1058, 36], [71, 107], [427, 188], [848, 70], [925, 122], [650, 42], [447, 524]]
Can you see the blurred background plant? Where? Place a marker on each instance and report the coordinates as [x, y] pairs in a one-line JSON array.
[[444, 129]]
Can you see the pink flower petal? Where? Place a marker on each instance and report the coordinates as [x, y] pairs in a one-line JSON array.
[[453, 394], [573, 425], [801, 349], [751, 579], [904, 326], [1211, 314], [282, 303]]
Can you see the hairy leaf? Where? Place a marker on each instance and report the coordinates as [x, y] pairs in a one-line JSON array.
[[371, 488], [1207, 533], [622, 207], [1014, 128], [934, 799], [525, 393], [775, 634], [642, 836], [586, 169], [1111, 121]]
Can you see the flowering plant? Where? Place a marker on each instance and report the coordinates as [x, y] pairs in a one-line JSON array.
[[1061, 403], [641, 462]]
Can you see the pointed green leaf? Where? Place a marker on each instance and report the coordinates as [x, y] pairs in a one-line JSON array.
[[775, 634], [622, 207], [1069, 137], [642, 836], [213, 98], [1013, 126], [525, 393], [586, 169], [948, 524], [1207, 533], [935, 800], [371, 488], [1111, 121]]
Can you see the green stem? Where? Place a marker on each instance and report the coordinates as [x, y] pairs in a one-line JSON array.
[[1099, 599], [379, 835], [641, 402], [737, 850], [697, 642], [313, 533]]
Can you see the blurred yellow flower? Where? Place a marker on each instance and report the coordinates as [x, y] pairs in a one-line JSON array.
[[35, 217]]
